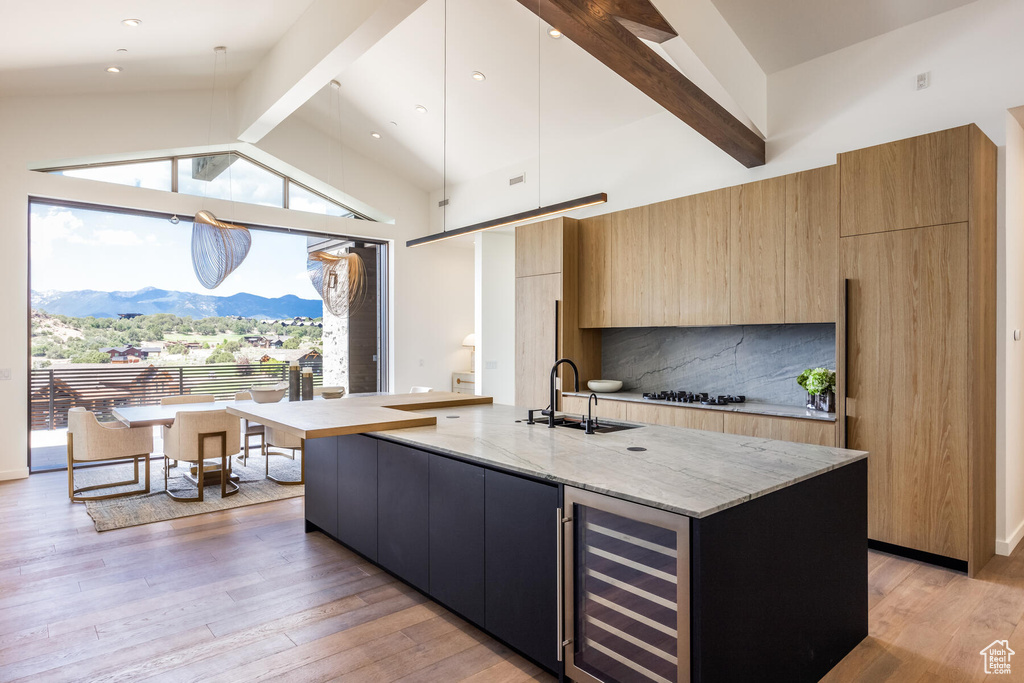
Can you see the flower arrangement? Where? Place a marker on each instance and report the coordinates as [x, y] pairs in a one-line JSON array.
[[820, 384]]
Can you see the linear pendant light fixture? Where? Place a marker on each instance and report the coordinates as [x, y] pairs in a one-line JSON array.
[[542, 212]]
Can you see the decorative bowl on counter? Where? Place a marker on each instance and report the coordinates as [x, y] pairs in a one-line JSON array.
[[332, 392], [604, 386], [268, 394]]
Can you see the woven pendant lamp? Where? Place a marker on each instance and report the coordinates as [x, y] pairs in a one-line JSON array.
[[217, 248], [339, 280]]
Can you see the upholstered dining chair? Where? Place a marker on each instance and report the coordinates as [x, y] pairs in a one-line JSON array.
[[198, 436], [185, 398], [250, 429], [278, 438], [90, 440]]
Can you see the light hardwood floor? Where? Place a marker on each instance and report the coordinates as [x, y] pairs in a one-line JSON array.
[[240, 595], [245, 595]]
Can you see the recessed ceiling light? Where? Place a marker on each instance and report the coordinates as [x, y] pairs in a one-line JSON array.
[[132, 23], [375, 135], [420, 109], [554, 33], [477, 76], [113, 69]]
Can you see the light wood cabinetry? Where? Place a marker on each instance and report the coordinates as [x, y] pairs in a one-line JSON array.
[[605, 409], [536, 336], [595, 272], [671, 416], [539, 248], [547, 310], [816, 432], [919, 328], [687, 282], [907, 330], [757, 253], [812, 245], [911, 183], [630, 266]]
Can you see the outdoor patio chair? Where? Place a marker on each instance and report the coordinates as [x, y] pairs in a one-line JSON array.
[[90, 440]]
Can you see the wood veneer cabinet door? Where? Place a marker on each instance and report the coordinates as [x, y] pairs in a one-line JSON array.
[[757, 253], [671, 416], [812, 246], [595, 270], [910, 183], [687, 280], [536, 337], [816, 432], [907, 381], [539, 248], [630, 265]]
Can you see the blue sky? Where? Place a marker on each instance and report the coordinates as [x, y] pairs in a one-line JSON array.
[[77, 249]]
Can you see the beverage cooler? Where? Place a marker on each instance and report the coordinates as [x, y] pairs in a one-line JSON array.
[[626, 591]]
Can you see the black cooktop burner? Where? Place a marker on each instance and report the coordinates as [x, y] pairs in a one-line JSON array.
[[701, 397]]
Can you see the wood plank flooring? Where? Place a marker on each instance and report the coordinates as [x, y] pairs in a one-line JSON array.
[[239, 595], [245, 595]]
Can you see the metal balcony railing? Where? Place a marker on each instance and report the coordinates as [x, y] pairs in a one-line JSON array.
[[54, 391]]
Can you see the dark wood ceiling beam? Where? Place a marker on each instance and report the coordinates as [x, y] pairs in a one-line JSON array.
[[590, 24], [642, 19]]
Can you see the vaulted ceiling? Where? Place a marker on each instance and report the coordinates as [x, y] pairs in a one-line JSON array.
[[539, 94]]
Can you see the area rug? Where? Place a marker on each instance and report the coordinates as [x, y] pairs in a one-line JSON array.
[[156, 506]]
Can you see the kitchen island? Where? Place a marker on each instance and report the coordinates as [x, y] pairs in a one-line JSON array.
[[650, 553]]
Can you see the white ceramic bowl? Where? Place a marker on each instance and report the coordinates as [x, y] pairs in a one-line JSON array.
[[271, 394], [332, 392], [604, 386]]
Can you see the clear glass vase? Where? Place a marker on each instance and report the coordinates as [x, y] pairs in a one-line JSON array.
[[825, 401]]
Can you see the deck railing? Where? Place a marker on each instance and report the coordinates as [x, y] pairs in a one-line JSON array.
[[100, 389]]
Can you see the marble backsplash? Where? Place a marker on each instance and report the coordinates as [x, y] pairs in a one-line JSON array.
[[758, 361]]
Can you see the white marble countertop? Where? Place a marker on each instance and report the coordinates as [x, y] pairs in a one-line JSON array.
[[685, 471], [751, 407]]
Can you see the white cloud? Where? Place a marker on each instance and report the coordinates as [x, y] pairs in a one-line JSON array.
[[56, 225]]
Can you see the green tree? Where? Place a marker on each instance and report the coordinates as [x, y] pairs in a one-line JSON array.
[[177, 349], [39, 350], [220, 357], [91, 357], [230, 346], [291, 343]]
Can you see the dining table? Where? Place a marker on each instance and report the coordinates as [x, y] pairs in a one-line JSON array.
[[163, 416]]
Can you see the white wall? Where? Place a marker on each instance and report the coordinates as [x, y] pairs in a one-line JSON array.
[[431, 287], [496, 316], [856, 97], [1010, 380]]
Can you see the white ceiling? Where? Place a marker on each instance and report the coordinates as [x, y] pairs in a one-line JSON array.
[[490, 124], [66, 45], [783, 33]]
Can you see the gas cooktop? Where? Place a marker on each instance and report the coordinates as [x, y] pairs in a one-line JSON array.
[[701, 397]]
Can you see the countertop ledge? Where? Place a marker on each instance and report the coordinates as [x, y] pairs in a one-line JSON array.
[[684, 471], [751, 408]]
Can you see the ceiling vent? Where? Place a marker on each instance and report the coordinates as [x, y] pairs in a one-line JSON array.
[[443, 203], [518, 179]]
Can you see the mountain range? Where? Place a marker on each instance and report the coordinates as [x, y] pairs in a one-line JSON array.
[[150, 300]]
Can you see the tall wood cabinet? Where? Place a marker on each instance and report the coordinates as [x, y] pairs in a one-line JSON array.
[[547, 310], [918, 260], [757, 253]]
